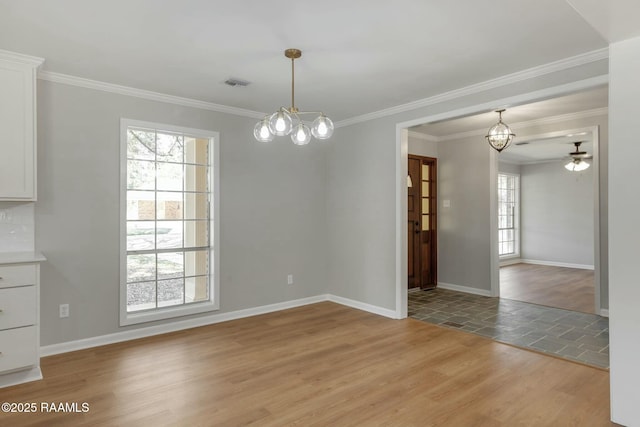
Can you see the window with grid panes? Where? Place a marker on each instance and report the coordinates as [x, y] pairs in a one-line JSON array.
[[508, 214], [169, 256]]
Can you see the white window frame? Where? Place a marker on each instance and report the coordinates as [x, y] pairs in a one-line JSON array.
[[213, 303], [516, 219]]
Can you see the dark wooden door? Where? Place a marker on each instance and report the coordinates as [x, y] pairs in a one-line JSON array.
[[422, 222]]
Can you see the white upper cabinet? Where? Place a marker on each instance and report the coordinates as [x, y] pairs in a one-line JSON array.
[[18, 126]]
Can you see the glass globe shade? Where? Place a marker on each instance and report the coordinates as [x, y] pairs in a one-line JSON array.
[[280, 123], [301, 135], [261, 131], [322, 127], [499, 136]]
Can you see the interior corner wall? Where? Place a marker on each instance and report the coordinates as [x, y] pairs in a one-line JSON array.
[[272, 209], [624, 234], [556, 214]]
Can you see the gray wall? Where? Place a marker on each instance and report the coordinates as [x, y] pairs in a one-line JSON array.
[[422, 147], [505, 167], [464, 258], [272, 209], [556, 214], [361, 213]]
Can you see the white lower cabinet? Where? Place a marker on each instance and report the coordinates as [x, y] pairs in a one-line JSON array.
[[19, 323], [18, 307], [18, 348]]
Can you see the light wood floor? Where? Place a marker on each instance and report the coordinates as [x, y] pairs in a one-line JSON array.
[[561, 287], [318, 365]]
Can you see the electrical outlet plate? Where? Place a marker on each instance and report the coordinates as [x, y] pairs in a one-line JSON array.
[[290, 279], [64, 310]]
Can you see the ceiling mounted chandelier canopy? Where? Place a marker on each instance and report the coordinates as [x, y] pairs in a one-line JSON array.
[[577, 162], [500, 135], [287, 121]]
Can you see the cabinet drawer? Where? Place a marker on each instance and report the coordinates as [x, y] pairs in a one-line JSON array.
[[17, 307], [18, 348], [17, 275]]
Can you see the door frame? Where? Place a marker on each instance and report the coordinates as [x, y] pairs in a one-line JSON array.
[[401, 153]]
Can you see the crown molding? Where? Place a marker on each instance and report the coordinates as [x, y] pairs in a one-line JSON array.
[[145, 94], [541, 70], [20, 57], [423, 136], [537, 122], [194, 103]]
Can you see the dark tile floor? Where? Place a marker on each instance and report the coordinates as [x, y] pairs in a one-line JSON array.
[[571, 335]]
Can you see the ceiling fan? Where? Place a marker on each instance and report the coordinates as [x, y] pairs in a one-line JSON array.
[[577, 159]]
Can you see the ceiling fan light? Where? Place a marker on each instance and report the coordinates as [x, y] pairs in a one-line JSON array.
[[261, 131], [322, 127], [577, 162], [301, 135], [576, 165], [280, 123]]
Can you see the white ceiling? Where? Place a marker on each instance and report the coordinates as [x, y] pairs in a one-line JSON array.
[[616, 20], [358, 56]]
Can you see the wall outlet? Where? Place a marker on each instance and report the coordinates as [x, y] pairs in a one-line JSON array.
[[64, 310], [290, 279]]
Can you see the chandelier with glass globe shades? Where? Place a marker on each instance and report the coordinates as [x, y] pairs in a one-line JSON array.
[[499, 135], [287, 121]]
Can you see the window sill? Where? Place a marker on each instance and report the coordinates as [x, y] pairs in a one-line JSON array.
[[167, 313]]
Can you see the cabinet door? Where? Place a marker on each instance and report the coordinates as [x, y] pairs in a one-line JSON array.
[[17, 131]]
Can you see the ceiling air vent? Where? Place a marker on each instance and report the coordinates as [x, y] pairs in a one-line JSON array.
[[233, 82]]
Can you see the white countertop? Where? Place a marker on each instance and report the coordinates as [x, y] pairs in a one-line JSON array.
[[19, 257]]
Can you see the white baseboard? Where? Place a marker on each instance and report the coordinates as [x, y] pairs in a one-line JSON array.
[[466, 289], [180, 325], [20, 377], [174, 326], [364, 306], [509, 261], [604, 312], [557, 264]]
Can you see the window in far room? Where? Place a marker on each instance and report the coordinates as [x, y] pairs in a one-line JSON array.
[[168, 238], [508, 215]]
